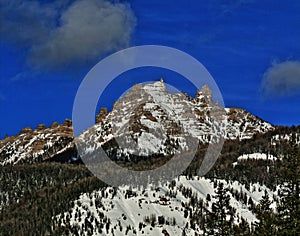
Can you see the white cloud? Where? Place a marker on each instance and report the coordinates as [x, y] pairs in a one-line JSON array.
[[26, 22], [59, 33], [282, 79]]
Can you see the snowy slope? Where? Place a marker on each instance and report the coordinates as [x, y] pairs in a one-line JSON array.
[[129, 208]]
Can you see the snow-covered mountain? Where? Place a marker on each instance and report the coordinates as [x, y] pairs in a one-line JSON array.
[[146, 121]]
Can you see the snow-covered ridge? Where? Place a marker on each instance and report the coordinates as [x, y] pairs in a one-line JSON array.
[[36, 145], [148, 120], [243, 125]]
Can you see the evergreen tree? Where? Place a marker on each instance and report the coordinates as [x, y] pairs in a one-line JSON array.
[[265, 216], [289, 203], [220, 219], [242, 229]]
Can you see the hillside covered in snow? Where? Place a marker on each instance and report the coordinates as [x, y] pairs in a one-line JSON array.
[[159, 210]]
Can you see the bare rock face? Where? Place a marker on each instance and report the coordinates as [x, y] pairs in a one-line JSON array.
[[26, 130], [67, 123], [204, 96], [102, 114], [54, 125], [40, 127]]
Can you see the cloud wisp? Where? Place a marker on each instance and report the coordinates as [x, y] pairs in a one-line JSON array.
[[62, 32], [282, 79]]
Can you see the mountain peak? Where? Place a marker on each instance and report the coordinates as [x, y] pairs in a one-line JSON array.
[[206, 90], [204, 95]]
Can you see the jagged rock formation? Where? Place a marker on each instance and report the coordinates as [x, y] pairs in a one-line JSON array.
[[146, 121], [150, 121], [37, 145]]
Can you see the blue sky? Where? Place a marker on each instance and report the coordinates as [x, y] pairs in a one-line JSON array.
[[251, 48]]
